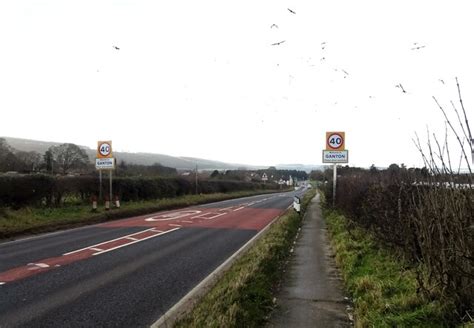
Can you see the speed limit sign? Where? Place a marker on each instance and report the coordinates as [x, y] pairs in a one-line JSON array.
[[104, 149], [335, 140]]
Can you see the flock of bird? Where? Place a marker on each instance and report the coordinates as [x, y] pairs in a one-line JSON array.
[[415, 47]]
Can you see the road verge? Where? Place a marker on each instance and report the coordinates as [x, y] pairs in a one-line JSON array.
[[383, 287]]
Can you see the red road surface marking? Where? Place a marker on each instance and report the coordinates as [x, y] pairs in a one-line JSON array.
[[77, 255], [240, 216]]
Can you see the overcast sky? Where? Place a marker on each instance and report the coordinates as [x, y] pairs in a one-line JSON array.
[[202, 78]]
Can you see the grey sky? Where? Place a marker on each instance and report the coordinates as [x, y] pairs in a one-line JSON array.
[[202, 78]]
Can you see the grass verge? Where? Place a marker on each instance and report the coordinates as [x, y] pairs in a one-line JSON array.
[[38, 220], [383, 287], [243, 296]]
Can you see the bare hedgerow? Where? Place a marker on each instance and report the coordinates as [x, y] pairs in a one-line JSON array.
[[443, 214]]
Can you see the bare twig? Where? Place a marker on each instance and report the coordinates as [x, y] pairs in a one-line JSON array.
[[455, 133]]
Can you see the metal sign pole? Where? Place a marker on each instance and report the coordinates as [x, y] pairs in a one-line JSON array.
[[100, 185], [110, 178], [334, 180]]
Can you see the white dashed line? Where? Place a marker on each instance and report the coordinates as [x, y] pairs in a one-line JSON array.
[[203, 216], [96, 249], [174, 225], [106, 242], [2, 283], [238, 209], [187, 221], [42, 265], [134, 242], [130, 238]]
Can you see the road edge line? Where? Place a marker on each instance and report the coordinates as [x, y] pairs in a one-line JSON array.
[[186, 303]]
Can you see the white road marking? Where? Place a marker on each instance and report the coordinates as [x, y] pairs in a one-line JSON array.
[[174, 225], [186, 221], [203, 216], [37, 266], [42, 265], [106, 242], [2, 283], [238, 209], [172, 216], [131, 238], [154, 230], [134, 242], [215, 216], [96, 249]]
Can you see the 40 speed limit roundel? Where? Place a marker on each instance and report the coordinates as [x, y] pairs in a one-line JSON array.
[[335, 140], [104, 149]]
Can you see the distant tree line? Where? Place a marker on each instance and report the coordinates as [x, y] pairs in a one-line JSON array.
[[272, 174], [127, 170], [60, 159], [67, 159]]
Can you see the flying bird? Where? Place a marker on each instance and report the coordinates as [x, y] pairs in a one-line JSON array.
[[417, 47], [442, 81], [401, 87], [116, 48], [323, 45], [278, 43], [274, 25], [291, 11]]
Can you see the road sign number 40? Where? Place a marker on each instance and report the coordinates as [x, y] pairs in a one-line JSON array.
[[335, 140], [104, 149]]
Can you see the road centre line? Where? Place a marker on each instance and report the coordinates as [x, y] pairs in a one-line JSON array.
[[134, 242]]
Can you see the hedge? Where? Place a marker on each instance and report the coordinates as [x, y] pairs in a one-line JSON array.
[[37, 190]]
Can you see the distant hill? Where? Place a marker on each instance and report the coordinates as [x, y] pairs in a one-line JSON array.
[[180, 163]]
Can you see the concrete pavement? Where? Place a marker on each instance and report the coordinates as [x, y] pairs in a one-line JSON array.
[[312, 293]]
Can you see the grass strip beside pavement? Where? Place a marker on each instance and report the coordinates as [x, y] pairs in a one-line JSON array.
[[39, 220], [243, 297], [383, 288]]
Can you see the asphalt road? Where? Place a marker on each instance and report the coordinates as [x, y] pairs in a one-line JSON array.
[[125, 273]]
